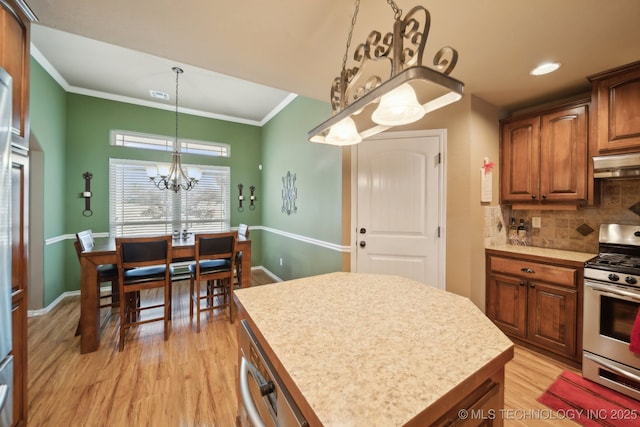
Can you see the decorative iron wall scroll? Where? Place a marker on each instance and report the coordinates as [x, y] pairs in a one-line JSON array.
[[289, 193]]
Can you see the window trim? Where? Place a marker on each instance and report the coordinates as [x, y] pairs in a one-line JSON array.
[[221, 150]]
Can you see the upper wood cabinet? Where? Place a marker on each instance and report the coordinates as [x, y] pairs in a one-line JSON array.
[[543, 158], [616, 100], [14, 58]]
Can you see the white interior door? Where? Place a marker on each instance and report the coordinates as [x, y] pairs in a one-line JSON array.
[[400, 206]]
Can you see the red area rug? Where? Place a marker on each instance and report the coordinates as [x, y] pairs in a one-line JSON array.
[[590, 404]]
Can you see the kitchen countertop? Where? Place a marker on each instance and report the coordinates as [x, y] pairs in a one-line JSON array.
[[578, 257], [366, 349]]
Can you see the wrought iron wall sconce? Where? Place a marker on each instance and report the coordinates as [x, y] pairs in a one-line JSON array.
[[252, 197], [289, 193], [240, 198], [87, 194]]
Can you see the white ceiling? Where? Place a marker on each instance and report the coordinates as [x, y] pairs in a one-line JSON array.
[[244, 59]]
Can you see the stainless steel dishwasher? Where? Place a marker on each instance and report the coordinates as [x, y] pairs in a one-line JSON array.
[[264, 400]]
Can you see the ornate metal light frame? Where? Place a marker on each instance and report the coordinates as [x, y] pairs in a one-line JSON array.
[[176, 179], [356, 92]]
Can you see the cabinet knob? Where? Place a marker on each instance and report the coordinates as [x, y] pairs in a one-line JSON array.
[[533, 196], [532, 285], [521, 283], [544, 196], [527, 270]]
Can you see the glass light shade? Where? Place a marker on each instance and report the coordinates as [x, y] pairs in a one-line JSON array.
[[163, 170], [398, 107], [152, 171], [343, 133], [194, 173]]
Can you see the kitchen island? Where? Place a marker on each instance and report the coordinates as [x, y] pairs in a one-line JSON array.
[[365, 349]]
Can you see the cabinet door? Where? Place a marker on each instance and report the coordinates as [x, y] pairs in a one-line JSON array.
[[563, 155], [617, 100], [552, 317], [19, 269], [507, 304], [14, 58], [520, 160]]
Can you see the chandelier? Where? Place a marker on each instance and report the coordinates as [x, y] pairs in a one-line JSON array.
[[173, 177], [363, 105]]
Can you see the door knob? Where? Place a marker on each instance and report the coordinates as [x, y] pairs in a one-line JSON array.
[[363, 243], [363, 230]]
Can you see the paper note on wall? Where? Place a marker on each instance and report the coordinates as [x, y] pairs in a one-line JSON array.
[[485, 186]]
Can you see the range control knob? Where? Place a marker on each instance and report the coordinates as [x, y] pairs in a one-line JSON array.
[[613, 277], [631, 280]]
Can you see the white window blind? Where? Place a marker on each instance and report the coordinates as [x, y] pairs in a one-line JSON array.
[[137, 207]]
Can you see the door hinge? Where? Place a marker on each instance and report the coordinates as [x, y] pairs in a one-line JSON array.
[[438, 231], [437, 159]]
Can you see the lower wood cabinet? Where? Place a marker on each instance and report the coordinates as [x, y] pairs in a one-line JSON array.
[[537, 303]]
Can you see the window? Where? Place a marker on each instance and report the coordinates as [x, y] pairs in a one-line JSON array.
[[162, 143], [137, 207]]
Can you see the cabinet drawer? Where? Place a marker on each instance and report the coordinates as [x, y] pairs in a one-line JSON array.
[[534, 271]]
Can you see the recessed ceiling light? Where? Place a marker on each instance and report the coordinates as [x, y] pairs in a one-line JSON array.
[[158, 94], [546, 68]]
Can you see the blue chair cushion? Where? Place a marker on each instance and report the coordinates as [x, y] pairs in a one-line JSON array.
[[145, 274], [211, 266]]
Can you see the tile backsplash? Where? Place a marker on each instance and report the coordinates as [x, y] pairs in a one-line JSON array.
[[569, 230]]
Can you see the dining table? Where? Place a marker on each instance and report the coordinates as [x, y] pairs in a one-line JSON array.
[[104, 252]]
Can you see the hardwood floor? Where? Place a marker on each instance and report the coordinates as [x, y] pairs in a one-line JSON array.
[[189, 380]]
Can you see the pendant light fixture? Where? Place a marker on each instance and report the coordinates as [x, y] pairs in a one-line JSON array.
[[173, 177], [364, 105]]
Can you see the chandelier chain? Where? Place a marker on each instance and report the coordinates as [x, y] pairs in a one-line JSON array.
[[353, 24], [178, 71], [397, 12]]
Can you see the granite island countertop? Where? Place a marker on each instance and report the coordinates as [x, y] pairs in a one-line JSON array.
[[366, 349]]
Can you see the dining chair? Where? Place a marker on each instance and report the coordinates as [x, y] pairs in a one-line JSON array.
[[215, 257], [243, 232], [143, 264], [107, 273]]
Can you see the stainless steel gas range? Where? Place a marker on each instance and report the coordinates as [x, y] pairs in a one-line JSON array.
[[611, 303]]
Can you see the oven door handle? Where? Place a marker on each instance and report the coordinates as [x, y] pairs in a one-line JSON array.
[[611, 367], [245, 368], [617, 293]]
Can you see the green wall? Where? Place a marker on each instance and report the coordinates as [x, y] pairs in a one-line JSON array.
[[48, 134], [89, 122], [318, 170]]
